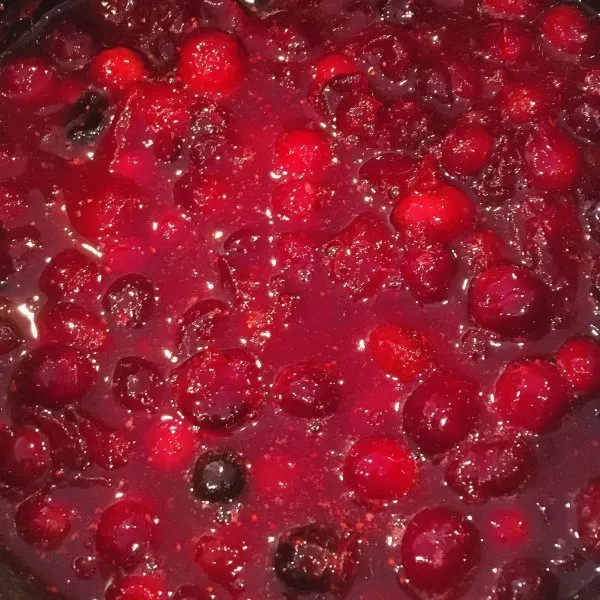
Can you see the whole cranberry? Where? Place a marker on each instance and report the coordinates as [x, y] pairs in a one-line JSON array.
[[441, 412], [308, 389], [218, 476], [302, 152], [489, 468], [136, 587], [200, 324], [316, 559], [116, 68], [42, 522], [25, 456], [124, 534], [531, 394], [53, 376], [578, 359], [170, 444], [511, 302], [380, 468], [566, 29], [130, 300], [69, 272], [507, 43], [218, 389], [25, 79], [526, 579], [466, 149], [523, 102], [428, 272], [136, 383], [440, 548]]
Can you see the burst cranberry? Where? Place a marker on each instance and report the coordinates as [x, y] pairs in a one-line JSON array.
[[510, 301], [388, 173], [211, 62], [295, 200], [582, 118], [130, 300], [437, 215], [525, 579], [136, 587], [108, 448], [309, 389], [408, 122], [508, 43], [483, 250], [466, 149], [200, 324], [25, 79], [69, 272], [69, 45], [587, 505], [11, 336], [380, 468], [428, 272], [578, 359], [316, 559], [191, 592], [441, 412], [566, 29], [116, 68], [136, 383], [531, 394], [524, 102], [485, 469], [218, 477], [200, 194], [24, 456], [42, 522], [53, 376], [331, 66], [359, 115], [511, 9], [124, 534], [302, 152], [510, 526], [218, 389], [113, 12], [440, 548], [170, 444]]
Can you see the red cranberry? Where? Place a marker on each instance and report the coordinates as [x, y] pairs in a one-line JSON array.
[[511, 302], [11, 336], [113, 12], [380, 468], [331, 66], [295, 200], [439, 549], [24, 456], [191, 592], [126, 255], [218, 477], [130, 300], [526, 579], [531, 394], [117, 68], [124, 534], [388, 173], [434, 84], [582, 118], [211, 62], [552, 159], [309, 389], [510, 526], [200, 194], [566, 29], [524, 102], [511, 9], [428, 272], [137, 587], [42, 522], [72, 325], [466, 149], [69, 45], [508, 43], [578, 359], [25, 78], [53, 376], [359, 115], [200, 324], [441, 412], [136, 383], [587, 505], [408, 122], [69, 272], [170, 444], [437, 215], [218, 389], [483, 250], [303, 152], [485, 469], [403, 353], [107, 448], [316, 559]]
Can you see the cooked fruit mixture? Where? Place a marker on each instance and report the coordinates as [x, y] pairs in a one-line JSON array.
[[301, 298]]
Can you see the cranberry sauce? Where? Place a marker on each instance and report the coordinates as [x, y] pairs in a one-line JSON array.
[[302, 300]]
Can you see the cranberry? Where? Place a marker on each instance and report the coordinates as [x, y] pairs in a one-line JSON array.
[[218, 389], [525, 579], [552, 159], [53, 376], [428, 272], [437, 215], [295, 200], [69, 45], [483, 250], [587, 505], [441, 412], [25, 79], [302, 152], [531, 394], [403, 353], [524, 102], [136, 587], [582, 118], [466, 149], [388, 173], [136, 383], [508, 43], [191, 592], [170, 444], [130, 300], [408, 122], [107, 448], [25, 456], [72, 325], [511, 9], [331, 66], [113, 12], [566, 29], [117, 68], [510, 526], [218, 476], [11, 336], [578, 359], [439, 549], [511, 302], [124, 534], [200, 324], [380, 468], [359, 115], [69, 272], [211, 62], [200, 194], [42, 522], [489, 468], [315, 559]]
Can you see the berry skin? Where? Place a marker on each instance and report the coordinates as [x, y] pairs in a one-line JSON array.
[[509, 526], [25, 456], [137, 587], [578, 359], [11, 336], [408, 123], [25, 79], [117, 68], [218, 477], [200, 324], [511, 302], [69, 272], [199, 194], [69, 45], [295, 200], [401, 352], [303, 152], [380, 468], [331, 66], [439, 549], [130, 300], [507, 43], [526, 579], [136, 383], [438, 215], [170, 444], [316, 559], [531, 394], [42, 522], [587, 506], [441, 412], [124, 534], [359, 115], [211, 63], [566, 29], [466, 149], [523, 102], [428, 272], [511, 9]]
